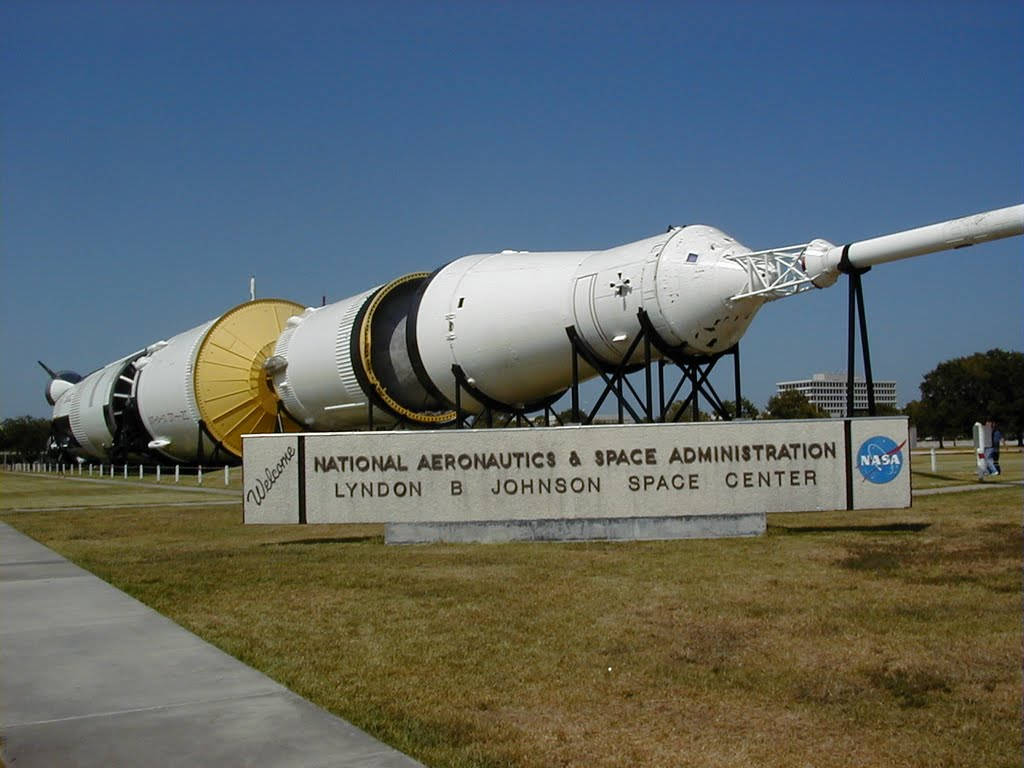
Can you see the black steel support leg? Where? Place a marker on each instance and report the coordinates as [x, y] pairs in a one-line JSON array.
[[851, 340], [648, 391], [856, 312], [458, 398], [868, 379], [736, 373], [575, 386]]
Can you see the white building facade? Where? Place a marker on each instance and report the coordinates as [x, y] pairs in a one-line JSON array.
[[828, 392]]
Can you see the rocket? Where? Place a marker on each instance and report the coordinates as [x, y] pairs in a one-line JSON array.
[[390, 353]]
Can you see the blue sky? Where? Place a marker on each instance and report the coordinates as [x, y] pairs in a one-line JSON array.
[[154, 155]]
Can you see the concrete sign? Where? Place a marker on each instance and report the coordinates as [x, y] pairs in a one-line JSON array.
[[576, 473]]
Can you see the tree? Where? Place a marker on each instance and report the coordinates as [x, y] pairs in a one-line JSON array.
[[672, 413], [961, 391], [793, 404], [24, 436], [747, 411], [884, 409]]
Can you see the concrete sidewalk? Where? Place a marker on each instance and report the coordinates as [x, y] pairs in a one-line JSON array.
[[986, 486], [91, 677]]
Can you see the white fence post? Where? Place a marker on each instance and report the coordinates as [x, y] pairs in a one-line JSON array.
[[933, 461], [199, 475], [126, 471], [227, 474], [158, 473], [140, 471]]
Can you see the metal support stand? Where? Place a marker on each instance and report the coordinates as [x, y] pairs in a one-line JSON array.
[[695, 370], [218, 447], [492, 406], [613, 376], [856, 304], [200, 454]]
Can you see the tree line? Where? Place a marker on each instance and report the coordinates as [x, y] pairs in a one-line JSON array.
[[961, 391], [24, 438]]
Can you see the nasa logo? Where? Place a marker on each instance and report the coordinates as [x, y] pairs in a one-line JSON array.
[[880, 459]]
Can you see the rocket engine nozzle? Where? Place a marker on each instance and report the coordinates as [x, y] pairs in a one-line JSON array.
[[60, 382]]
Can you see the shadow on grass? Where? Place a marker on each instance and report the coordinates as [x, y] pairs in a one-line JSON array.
[[951, 478], [797, 530], [911, 688], [326, 540]]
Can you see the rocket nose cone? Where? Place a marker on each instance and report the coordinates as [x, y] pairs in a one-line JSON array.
[[695, 285]]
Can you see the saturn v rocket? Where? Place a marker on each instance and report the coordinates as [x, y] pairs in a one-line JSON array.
[[388, 353]]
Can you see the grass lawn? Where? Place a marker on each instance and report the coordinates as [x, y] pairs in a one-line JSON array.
[[24, 491], [868, 638], [960, 468]]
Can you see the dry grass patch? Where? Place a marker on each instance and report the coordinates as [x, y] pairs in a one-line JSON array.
[[869, 638]]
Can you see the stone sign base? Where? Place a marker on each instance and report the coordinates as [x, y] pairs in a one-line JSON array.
[[580, 529]]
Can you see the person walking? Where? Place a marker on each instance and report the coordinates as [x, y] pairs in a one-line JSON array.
[[992, 451]]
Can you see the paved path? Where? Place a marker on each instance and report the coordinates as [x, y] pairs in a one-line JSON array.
[[986, 486], [91, 677], [133, 505]]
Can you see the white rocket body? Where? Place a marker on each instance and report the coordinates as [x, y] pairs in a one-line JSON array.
[[166, 397], [158, 380], [500, 318], [91, 410], [319, 387], [180, 400], [503, 317]]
